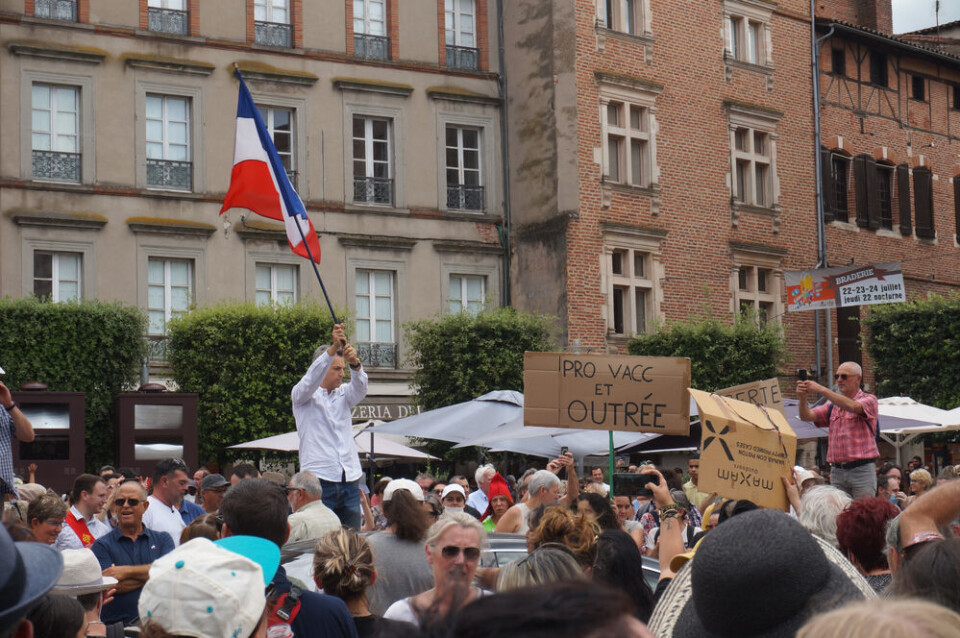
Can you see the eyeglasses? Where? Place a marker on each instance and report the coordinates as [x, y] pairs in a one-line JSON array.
[[54, 523], [470, 554], [841, 376], [291, 488], [132, 502]]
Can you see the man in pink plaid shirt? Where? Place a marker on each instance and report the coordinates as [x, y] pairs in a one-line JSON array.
[[852, 414]]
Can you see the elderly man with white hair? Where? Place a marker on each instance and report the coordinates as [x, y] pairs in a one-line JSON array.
[[819, 507], [850, 414], [543, 489], [311, 519], [479, 500]]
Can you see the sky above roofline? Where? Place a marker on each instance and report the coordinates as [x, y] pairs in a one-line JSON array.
[[910, 15]]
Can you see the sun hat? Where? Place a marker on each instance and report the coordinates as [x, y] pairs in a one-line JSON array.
[[453, 487], [209, 590], [30, 491], [27, 572], [403, 484], [765, 566], [212, 481], [81, 574]]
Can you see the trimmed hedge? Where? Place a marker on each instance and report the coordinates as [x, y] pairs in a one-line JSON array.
[[88, 346], [915, 349], [459, 357], [721, 355], [243, 360]]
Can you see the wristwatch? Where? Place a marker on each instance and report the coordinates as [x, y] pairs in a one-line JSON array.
[[12, 407], [354, 367]]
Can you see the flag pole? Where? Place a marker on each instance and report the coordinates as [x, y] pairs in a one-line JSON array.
[[303, 238]]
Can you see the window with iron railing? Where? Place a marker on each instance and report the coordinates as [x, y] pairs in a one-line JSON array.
[[461, 34], [372, 161], [271, 25], [464, 184], [168, 16], [65, 10], [375, 318], [168, 142], [370, 30], [55, 137]]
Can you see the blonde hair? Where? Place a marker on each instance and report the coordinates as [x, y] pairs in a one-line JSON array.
[[922, 476], [451, 519], [343, 564], [541, 566], [884, 618], [594, 488], [560, 525]]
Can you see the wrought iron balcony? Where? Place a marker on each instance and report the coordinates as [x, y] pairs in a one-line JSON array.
[[463, 57], [170, 174], [54, 165], [373, 190], [274, 34], [169, 21], [65, 10], [465, 197], [377, 355], [374, 47], [157, 349]]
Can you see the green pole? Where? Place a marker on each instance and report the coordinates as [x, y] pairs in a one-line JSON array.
[[611, 465]]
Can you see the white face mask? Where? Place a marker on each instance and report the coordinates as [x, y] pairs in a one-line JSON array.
[[453, 509]]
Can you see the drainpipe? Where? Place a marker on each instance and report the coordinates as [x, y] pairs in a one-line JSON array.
[[821, 229], [505, 239]]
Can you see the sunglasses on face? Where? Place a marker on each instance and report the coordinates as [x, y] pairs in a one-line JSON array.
[[132, 502], [470, 554], [842, 376]]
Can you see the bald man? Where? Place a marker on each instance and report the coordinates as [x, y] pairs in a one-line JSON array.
[[851, 416]]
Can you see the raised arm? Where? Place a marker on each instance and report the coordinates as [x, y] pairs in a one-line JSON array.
[[565, 460], [311, 381], [22, 428], [356, 390], [931, 510]]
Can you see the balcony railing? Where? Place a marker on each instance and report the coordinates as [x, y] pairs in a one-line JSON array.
[[463, 57], [170, 174], [273, 34], [373, 190], [65, 10], [377, 355], [54, 165], [374, 47], [465, 197], [157, 349], [169, 21]]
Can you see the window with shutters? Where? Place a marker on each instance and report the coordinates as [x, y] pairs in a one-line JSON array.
[[867, 191], [903, 199], [923, 202], [956, 204], [839, 174], [885, 195]]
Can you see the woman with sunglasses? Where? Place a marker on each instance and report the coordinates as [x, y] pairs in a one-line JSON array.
[[453, 551]]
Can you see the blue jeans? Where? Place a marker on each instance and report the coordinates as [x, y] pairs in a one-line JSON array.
[[343, 498], [856, 482]]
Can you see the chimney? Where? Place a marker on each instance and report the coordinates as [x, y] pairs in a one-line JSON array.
[[876, 15]]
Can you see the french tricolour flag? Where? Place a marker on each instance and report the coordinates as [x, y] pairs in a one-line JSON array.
[[259, 182]]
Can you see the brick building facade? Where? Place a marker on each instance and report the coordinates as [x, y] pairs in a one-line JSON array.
[[664, 167]]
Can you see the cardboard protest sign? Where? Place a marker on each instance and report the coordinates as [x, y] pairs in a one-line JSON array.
[[744, 451], [766, 393], [606, 392]]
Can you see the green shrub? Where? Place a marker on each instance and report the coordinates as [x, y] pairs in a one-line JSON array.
[[88, 346], [916, 349], [721, 355], [243, 360], [459, 357]]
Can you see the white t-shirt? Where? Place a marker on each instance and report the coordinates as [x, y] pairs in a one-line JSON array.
[[163, 518], [402, 610]]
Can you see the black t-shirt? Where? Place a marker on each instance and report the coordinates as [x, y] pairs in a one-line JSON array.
[[371, 626]]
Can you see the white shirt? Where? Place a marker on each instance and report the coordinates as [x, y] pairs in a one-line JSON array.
[[324, 423], [478, 501], [164, 518], [68, 539]]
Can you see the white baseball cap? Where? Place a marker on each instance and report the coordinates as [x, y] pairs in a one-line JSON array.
[[453, 487], [205, 590], [81, 574], [403, 484]]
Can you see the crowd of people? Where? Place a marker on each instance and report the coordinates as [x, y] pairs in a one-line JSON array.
[[199, 554]]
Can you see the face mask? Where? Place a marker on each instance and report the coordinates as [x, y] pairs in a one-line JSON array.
[[453, 509]]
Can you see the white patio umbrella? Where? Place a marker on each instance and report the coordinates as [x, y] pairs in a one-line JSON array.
[[907, 408], [461, 421], [383, 448]]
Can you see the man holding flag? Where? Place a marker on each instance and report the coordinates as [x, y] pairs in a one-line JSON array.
[[321, 405]]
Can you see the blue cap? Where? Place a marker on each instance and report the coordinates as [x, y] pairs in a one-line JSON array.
[[261, 551]]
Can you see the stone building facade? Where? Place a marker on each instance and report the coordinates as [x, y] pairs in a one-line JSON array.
[[118, 131]]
